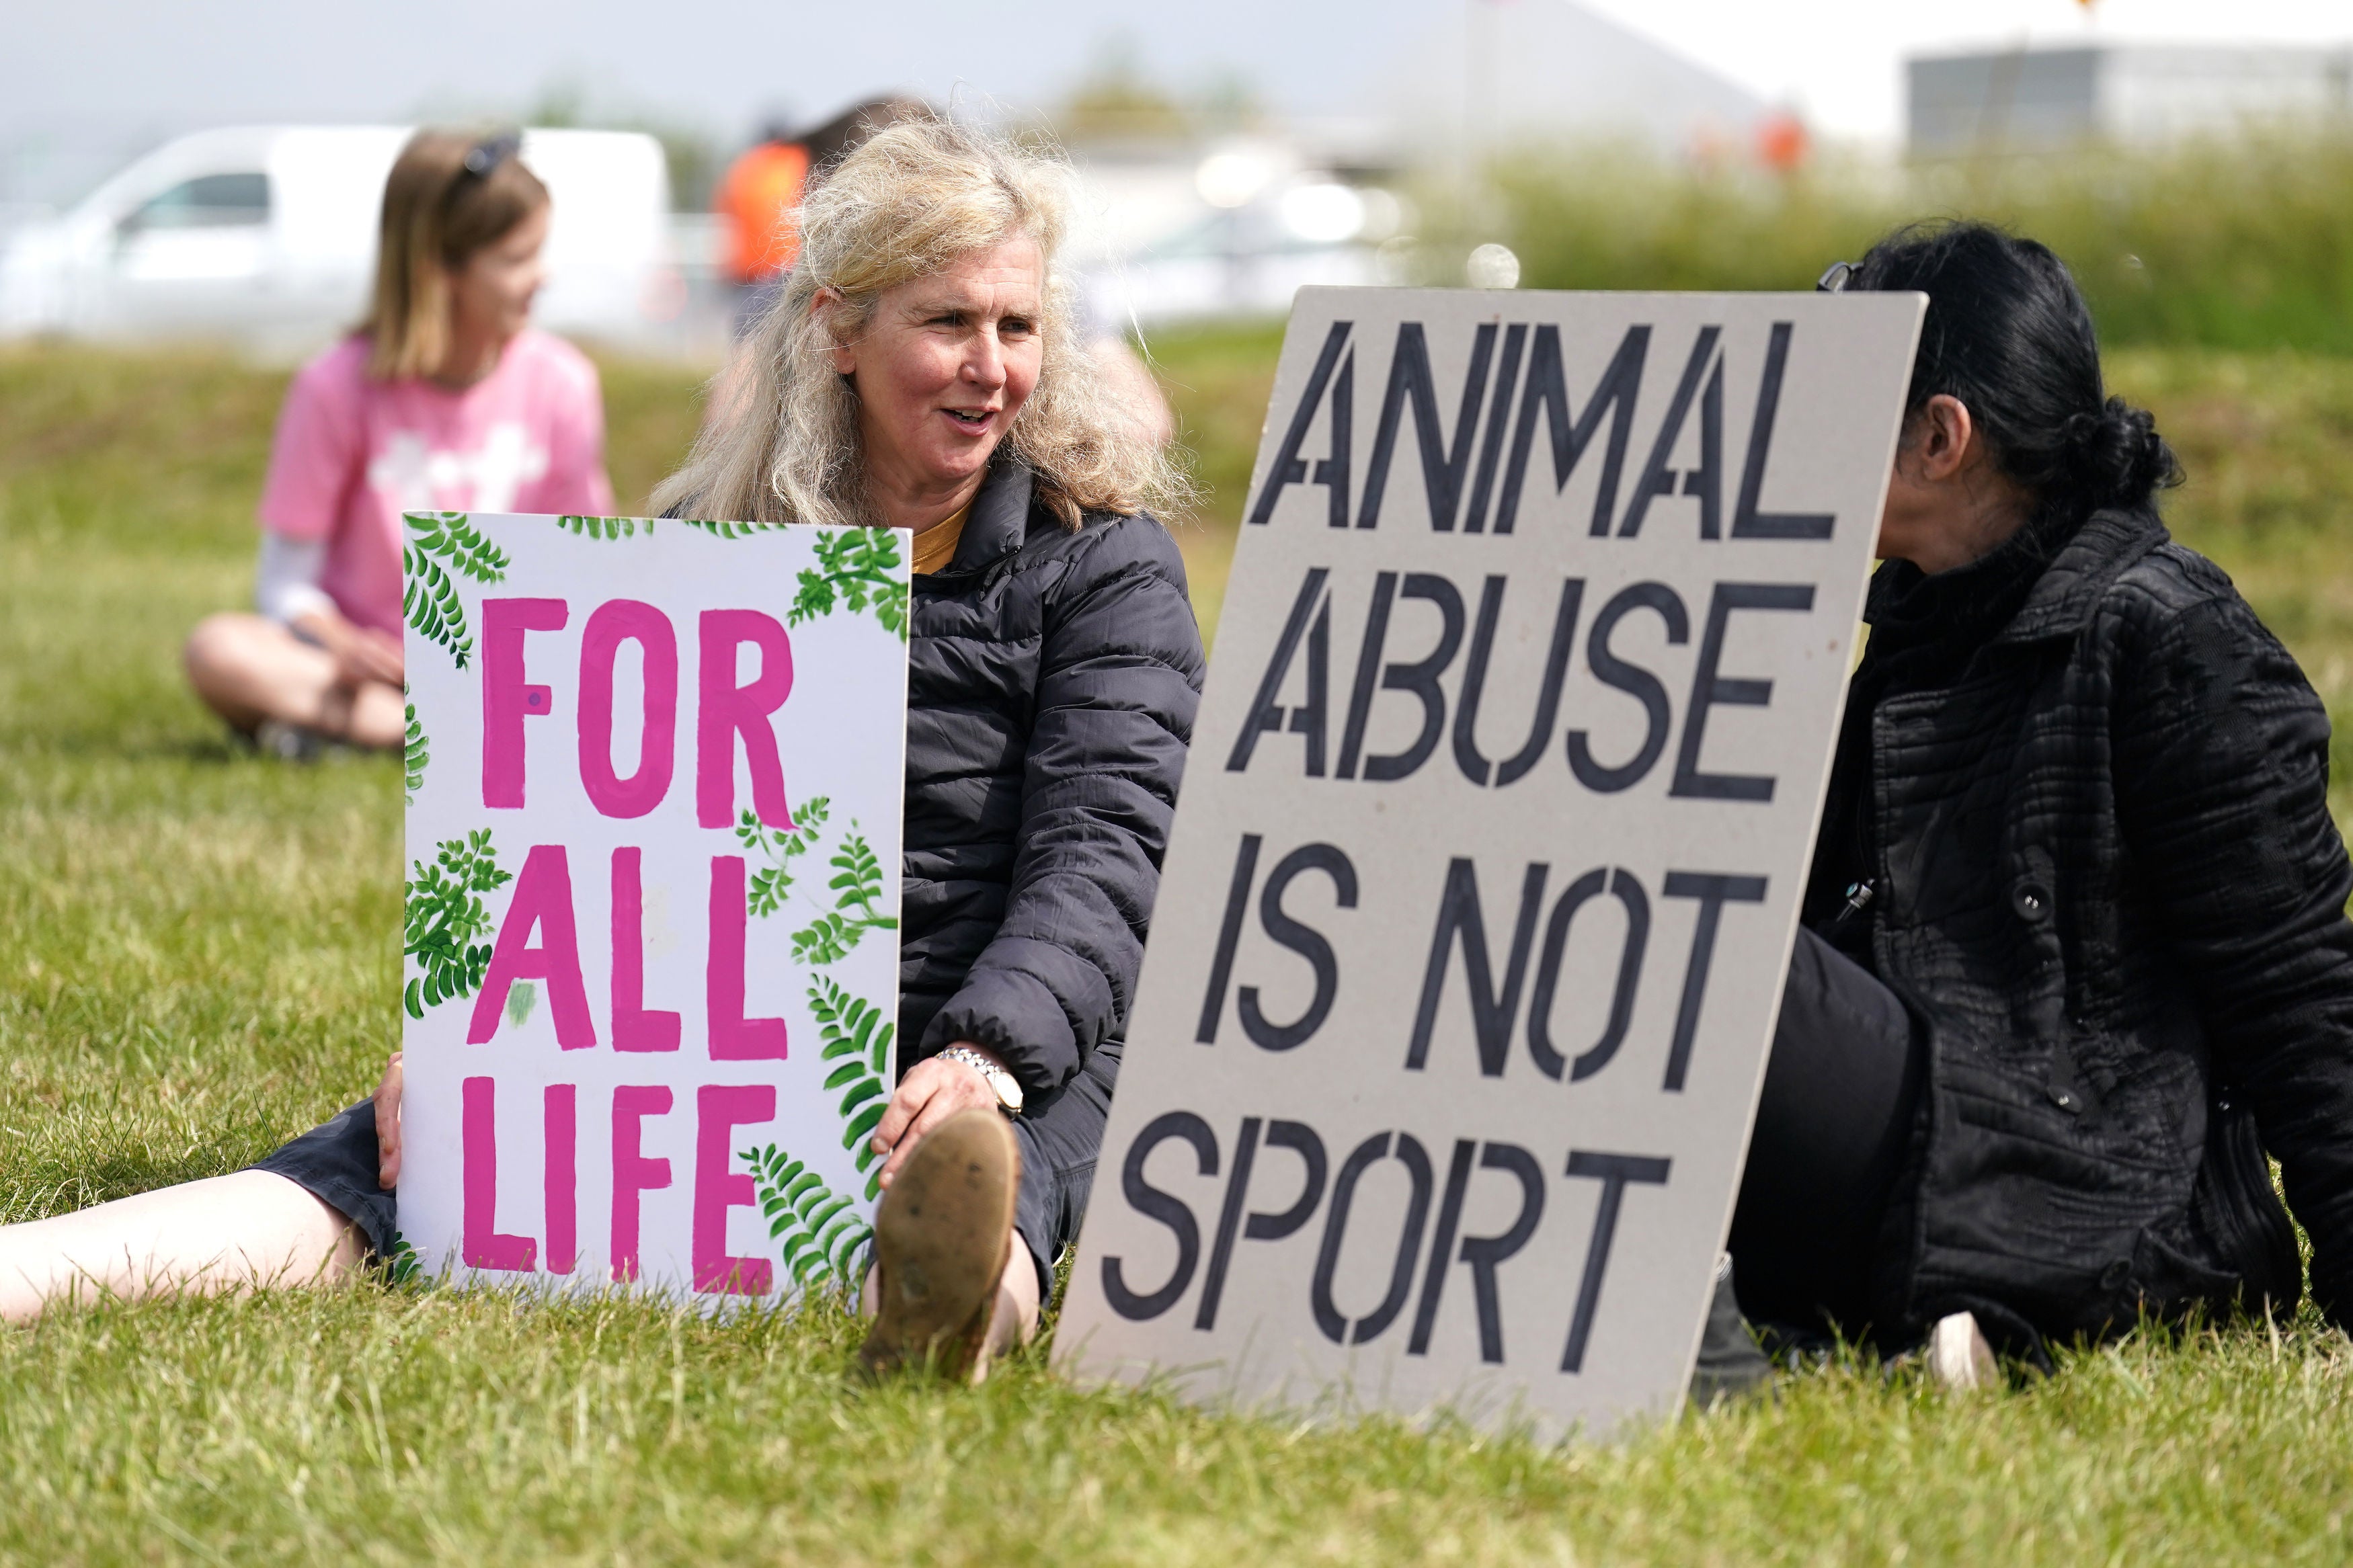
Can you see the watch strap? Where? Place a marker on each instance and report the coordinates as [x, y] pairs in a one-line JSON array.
[[1007, 1088]]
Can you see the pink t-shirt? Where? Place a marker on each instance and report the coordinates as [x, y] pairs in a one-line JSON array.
[[352, 454]]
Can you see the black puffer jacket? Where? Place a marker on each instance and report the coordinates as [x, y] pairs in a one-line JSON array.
[[2109, 881], [1053, 677]]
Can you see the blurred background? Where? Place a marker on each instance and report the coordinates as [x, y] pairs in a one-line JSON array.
[[188, 194], [213, 171]]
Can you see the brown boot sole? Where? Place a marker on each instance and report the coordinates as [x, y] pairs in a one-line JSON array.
[[941, 1239]]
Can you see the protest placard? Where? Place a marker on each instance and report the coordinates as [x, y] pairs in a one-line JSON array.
[[1485, 874], [651, 933]]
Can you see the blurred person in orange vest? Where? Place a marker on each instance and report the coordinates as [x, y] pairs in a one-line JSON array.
[[758, 196]]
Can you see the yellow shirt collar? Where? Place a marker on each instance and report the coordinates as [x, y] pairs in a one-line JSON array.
[[936, 545]]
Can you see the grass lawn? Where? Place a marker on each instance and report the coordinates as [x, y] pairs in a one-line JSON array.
[[198, 959]]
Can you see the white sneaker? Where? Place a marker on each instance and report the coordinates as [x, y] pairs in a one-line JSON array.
[[1958, 1356]]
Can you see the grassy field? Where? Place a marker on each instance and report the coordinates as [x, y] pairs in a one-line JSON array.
[[198, 960], [2242, 242]]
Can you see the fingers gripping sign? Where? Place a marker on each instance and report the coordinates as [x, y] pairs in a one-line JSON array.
[[387, 1125]]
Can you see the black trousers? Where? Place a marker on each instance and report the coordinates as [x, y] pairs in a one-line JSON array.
[[1833, 1126], [1060, 1134]]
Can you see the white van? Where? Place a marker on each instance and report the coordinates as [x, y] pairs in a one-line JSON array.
[[267, 234]]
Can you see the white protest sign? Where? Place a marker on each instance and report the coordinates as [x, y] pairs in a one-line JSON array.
[[1484, 876], [652, 932]]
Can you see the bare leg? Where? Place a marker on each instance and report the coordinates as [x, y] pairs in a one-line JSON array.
[[248, 669], [1014, 1321], [226, 1234]]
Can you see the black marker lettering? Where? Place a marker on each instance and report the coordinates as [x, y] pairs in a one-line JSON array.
[[1369, 669], [1301, 1139], [1460, 919], [1420, 677], [1499, 412], [1442, 471], [1632, 678], [1441, 1245], [1547, 393], [1229, 1215], [1416, 1160], [1658, 478], [1713, 891], [1711, 690], [1748, 522], [1288, 467], [1147, 1199], [1303, 940], [1266, 712], [1476, 767], [1628, 893], [1484, 1253], [1229, 936], [1613, 1171]]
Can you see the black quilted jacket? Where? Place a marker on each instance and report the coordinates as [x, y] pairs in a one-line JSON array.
[[1053, 679], [2109, 881]]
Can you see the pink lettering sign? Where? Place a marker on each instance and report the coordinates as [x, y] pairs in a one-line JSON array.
[[643, 1012]]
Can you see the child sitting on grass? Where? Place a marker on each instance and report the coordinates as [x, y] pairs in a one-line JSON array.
[[443, 398]]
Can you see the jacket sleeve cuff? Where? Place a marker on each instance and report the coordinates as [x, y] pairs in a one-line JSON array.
[[1015, 1016]]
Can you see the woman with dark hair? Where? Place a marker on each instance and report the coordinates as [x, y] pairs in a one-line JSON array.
[[2075, 954]]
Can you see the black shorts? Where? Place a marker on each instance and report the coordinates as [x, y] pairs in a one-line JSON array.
[[1060, 1133], [336, 1164]]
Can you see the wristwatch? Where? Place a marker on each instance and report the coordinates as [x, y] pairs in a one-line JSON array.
[[1007, 1086]]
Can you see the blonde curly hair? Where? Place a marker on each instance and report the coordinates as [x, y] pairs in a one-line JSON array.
[[783, 443]]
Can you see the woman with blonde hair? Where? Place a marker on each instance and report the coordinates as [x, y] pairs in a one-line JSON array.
[[918, 371], [442, 398]]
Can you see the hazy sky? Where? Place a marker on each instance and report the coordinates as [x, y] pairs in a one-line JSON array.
[[117, 65]]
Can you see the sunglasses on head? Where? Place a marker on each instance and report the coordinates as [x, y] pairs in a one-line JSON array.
[[1835, 280], [489, 153]]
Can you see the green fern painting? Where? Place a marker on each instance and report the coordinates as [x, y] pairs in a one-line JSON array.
[[443, 914], [606, 527], [855, 886], [821, 1233], [442, 542], [858, 1039], [855, 567], [764, 893], [416, 755]]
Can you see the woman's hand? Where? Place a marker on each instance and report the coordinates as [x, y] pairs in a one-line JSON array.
[[933, 1091], [387, 1125]]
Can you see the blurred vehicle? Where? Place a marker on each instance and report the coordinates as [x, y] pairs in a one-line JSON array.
[[1234, 229], [267, 234]]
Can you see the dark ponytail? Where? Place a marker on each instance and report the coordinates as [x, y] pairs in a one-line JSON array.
[[2008, 335]]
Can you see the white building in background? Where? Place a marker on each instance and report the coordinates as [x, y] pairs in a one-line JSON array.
[[1498, 71], [2130, 93]]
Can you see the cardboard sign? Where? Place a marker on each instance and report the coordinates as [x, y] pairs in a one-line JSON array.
[[1483, 882], [651, 944]]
